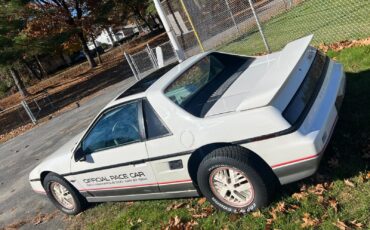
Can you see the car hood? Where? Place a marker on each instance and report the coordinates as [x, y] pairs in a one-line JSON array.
[[261, 81]]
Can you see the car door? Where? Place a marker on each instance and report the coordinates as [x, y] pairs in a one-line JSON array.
[[114, 155], [167, 156]]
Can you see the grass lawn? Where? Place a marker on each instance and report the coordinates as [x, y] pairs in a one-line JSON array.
[[329, 20], [338, 195]]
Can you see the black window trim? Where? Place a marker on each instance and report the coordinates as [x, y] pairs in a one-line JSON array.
[[169, 132]]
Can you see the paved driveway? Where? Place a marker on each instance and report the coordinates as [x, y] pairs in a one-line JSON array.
[[21, 154]]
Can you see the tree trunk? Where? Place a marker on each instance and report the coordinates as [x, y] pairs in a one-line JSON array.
[[138, 24], [41, 67], [18, 82], [30, 70], [85, 50], [110, 36], [144, 20], [96, 49], [155, 22]]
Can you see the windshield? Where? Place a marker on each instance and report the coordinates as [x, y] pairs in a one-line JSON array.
[[198, 88], [194, 79]]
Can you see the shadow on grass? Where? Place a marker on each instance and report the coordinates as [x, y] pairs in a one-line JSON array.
[[350, 138]]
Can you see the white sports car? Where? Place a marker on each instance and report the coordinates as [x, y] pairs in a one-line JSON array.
[[231, 128]]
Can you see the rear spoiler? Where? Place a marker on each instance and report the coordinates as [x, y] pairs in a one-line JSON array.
[[277, 75]]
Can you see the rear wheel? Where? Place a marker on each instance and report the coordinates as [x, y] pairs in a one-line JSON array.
[[63, 195], [235, 181]]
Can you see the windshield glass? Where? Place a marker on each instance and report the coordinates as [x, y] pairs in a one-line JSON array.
[[194, 79]]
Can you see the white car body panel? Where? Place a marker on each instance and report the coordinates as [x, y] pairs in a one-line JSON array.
[[247, 114]]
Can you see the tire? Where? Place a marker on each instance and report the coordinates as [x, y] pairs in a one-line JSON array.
[[256, 182], [78, 203]]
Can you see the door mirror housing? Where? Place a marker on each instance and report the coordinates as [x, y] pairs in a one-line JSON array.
[[79, 154]]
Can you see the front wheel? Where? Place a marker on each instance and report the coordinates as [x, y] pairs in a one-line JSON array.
[[65, 197], [234, 181]]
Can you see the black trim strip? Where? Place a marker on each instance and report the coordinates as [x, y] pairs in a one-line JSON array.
[[125, 191], [140, 190], [129, 163], [33, 180], [303, 115]]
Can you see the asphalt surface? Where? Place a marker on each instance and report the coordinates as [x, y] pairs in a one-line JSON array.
[[20, 155]]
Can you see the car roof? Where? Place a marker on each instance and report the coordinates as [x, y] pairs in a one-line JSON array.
[[155, 81], [143, 84]]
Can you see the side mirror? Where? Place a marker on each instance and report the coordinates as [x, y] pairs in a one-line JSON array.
[[79, 154]]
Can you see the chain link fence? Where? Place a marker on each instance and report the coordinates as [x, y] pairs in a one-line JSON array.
[[151, 58], [28, 110], [231, 25], [254, 26]]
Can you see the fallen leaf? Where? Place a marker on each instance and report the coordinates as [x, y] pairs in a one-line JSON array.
[[257, 214], [320, 199], [202, 200], [273, 214], [281, 207], [318, 189], [341, 225], [308, 221], [268, 225], [175, 206], [299, 196], [190, 224], [293, 207], [334, 204], [368, 176], [205, 212], [355, 224], [349, 183], [328, 185], [175, 223]]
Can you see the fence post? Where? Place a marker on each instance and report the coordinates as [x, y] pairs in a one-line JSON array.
[[136, 68], [151, 56], [29, 112], [259, 26], [232, 15], [192, 25], [180, 54], [131, 66]]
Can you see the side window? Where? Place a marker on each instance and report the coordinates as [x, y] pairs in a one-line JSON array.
[[115, 127], [153, 125]]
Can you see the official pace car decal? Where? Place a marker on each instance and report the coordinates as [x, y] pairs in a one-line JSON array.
[[131, 177]]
